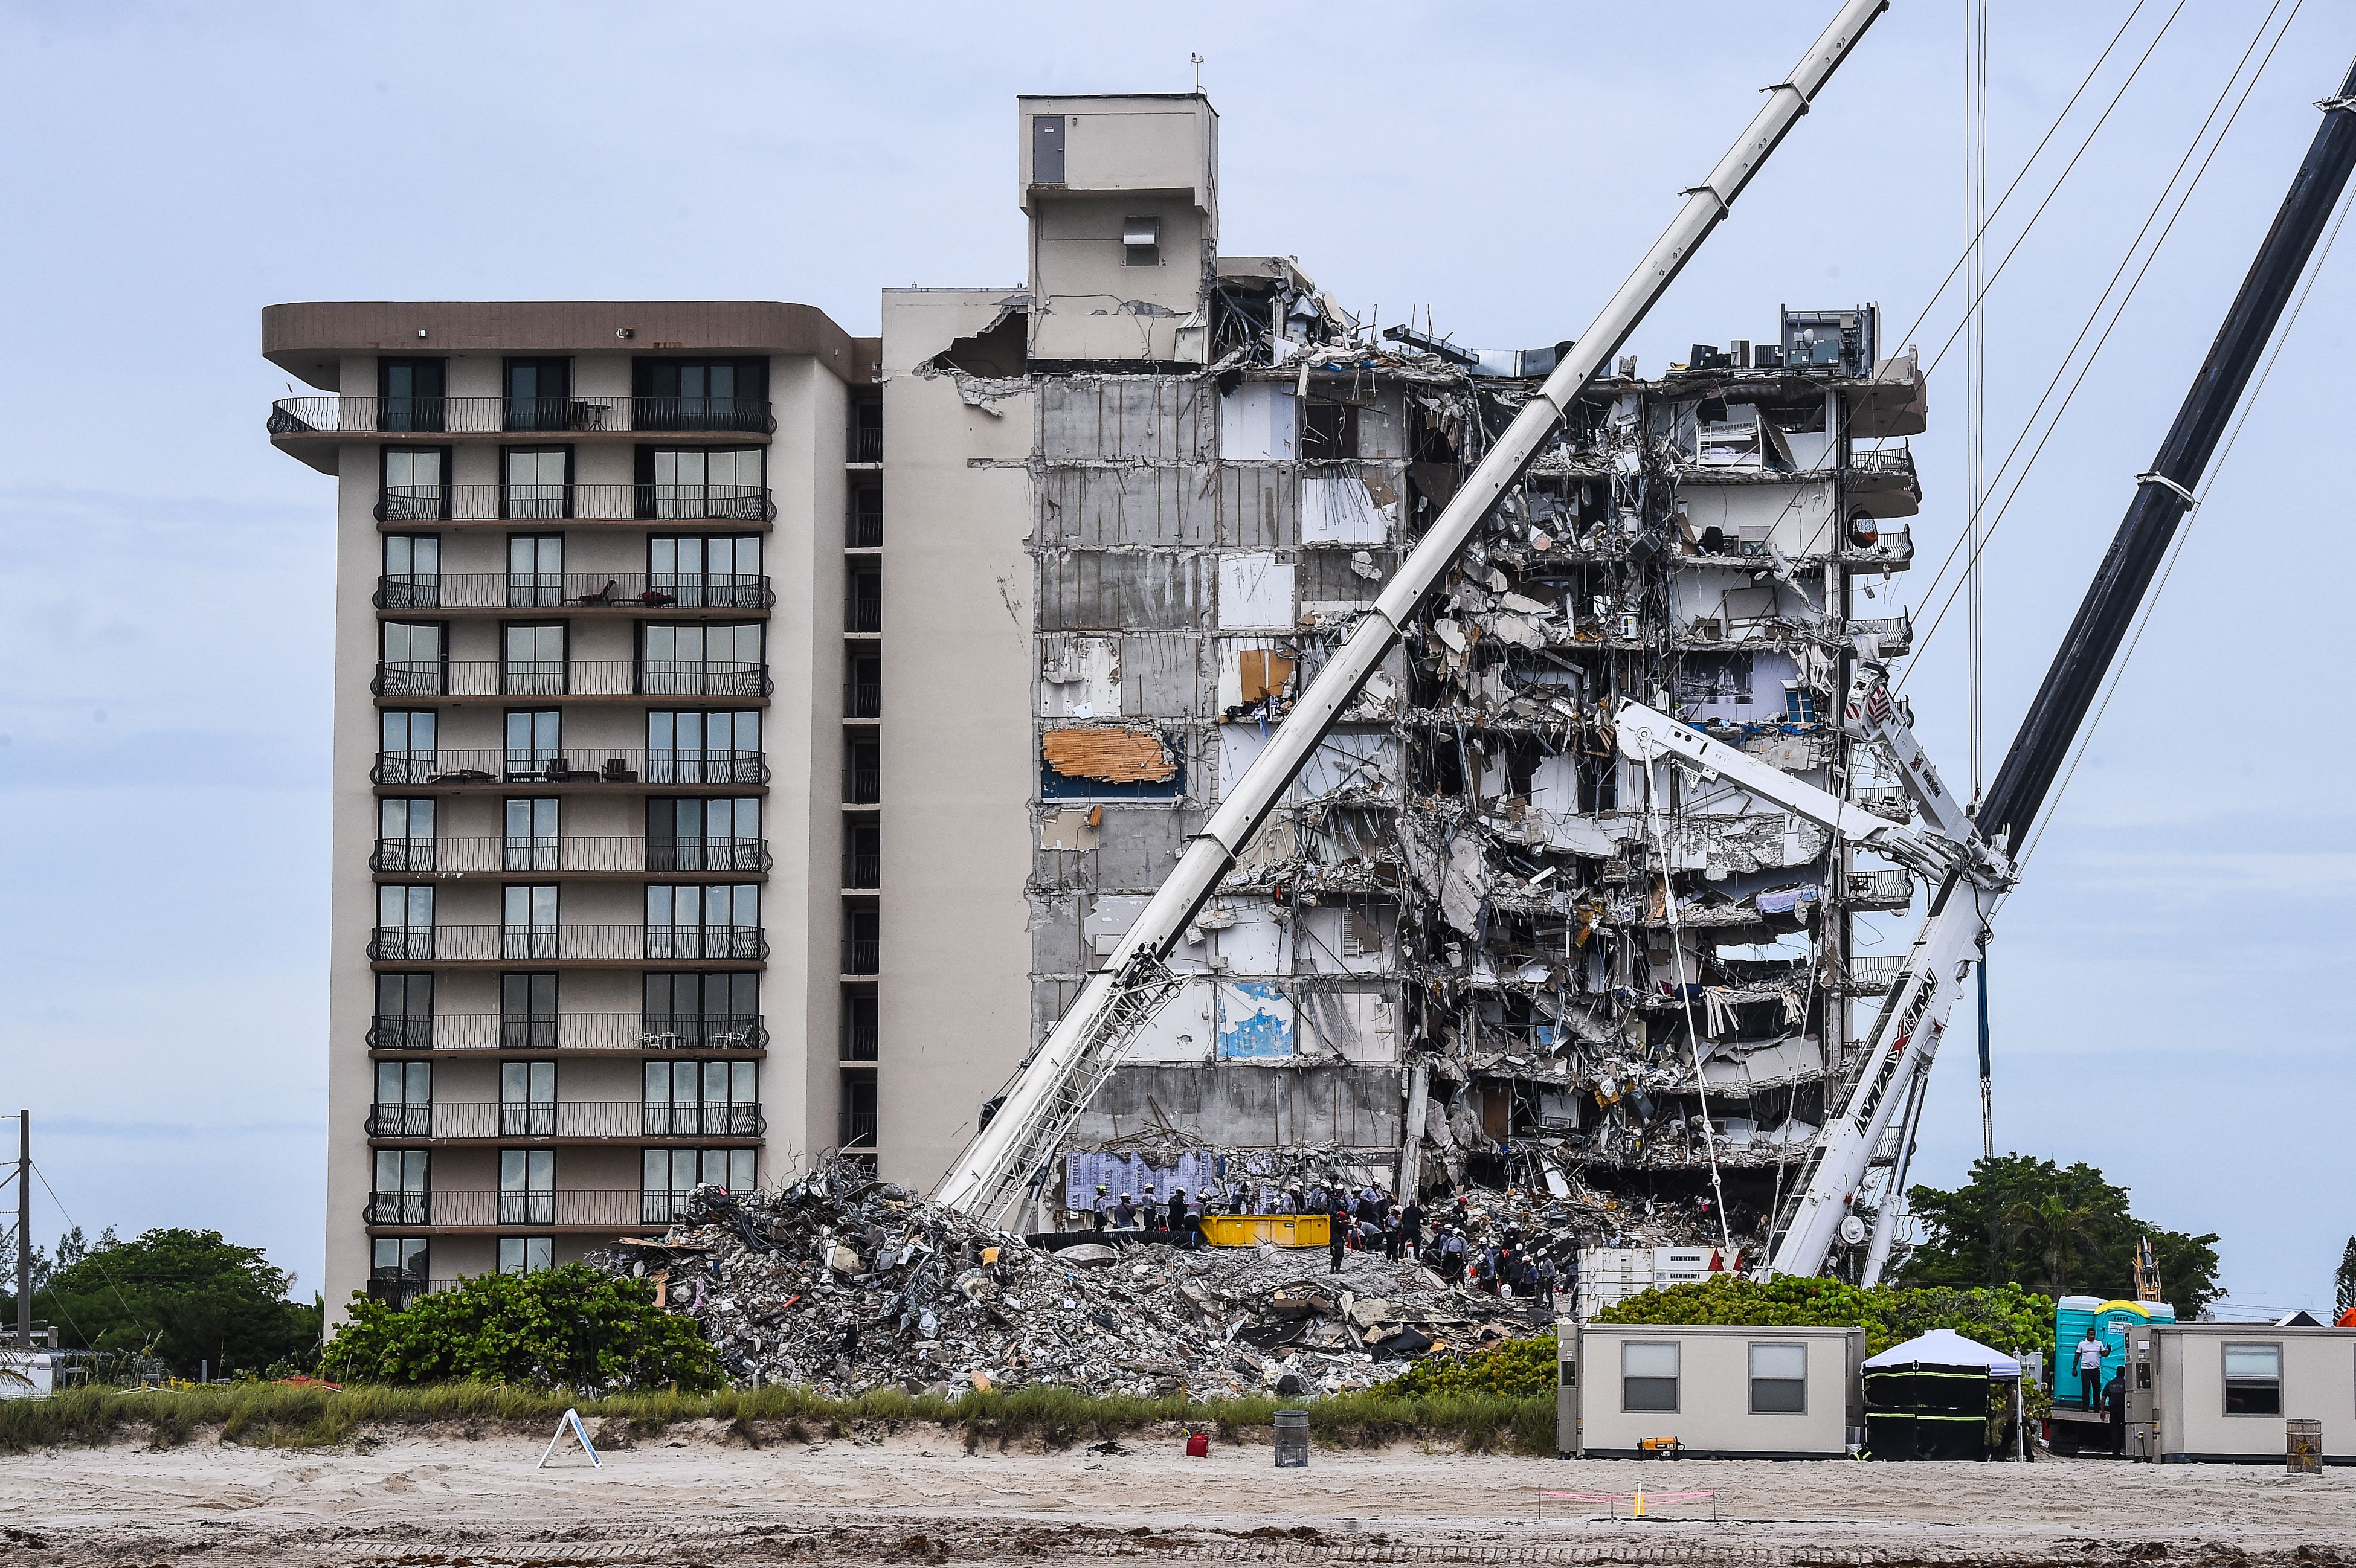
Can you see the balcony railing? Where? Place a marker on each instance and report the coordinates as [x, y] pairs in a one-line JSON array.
[[1872, 974], [563, 1119], [862, 699], [566, 1031], [403, 678], [497, 415], [858, 1129], [578, 503], [1892, 889], [864, 529], [468, 855], [574, 591], [862, 868], [862, 607], [858, 1041], [861, 954], [866, 445], [1896, 632], [566, 944], [601, 764], [399, 1290], [585, 1209]]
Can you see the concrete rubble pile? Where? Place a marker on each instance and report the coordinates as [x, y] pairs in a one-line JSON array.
[[943, 1303]]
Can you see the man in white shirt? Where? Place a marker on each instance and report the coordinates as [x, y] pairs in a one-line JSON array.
[[2090, 1369]]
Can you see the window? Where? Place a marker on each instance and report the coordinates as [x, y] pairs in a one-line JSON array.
[[2253, 1380], [862, 687], [701, 1099], [861, 941], [700, 835], [700, 1011], [863, 855], [698, 660], [537, 482], [1648, 1375], [416, 483], [526, 1186], [863, 782], [694, 921], [531, 844], [397, 1269], [696, 746], [410, 394], [527, 1099], [672, 1175], [540, 394], [404, 1013], [527, 1254], [1329, 430], [701, 394], [532, 662], [1779, 1380], [404, 835], [535, 571], [862, 600], [412, 572], [705, 571], [867, 430], [527, 1012], [532, 743], [700, 482], [404, 1100], [398, 1194], [528, 922], [413, 659], [405, 924], [858, 1120], [858, 1026], [866, 531], [1141, 242], [405, 746], [1799, 704]]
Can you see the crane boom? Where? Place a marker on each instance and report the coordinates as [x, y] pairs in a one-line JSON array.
[[1048, 1093], [1906, 1035]]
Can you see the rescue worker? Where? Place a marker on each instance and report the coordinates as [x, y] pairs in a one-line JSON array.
[[1176, 1214], [1098, 1218], [1337, 1235], [1412, 1228], [1124, 1214]]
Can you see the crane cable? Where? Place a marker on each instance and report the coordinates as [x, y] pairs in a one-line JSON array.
[[2118, 313]]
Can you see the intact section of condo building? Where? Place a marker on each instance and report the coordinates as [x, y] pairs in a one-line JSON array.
[[604, 763]]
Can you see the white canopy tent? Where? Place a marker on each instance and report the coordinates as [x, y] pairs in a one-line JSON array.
[[1945, 1347]]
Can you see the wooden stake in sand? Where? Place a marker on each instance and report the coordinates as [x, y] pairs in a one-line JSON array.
[[570, 1423]]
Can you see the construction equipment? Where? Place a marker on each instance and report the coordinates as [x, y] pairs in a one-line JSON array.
[[1009, 1155]]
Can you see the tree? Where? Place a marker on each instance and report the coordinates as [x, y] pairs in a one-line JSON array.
[[189, 1297], [2056, 1229], [2344, 1294], [2007, 1318], [560, 1327]]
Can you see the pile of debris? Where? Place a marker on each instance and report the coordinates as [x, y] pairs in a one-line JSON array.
[[846, 1283]]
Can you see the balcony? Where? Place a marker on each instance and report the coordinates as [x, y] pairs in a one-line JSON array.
[[863, 530], [635, 591], [564, 1210], [866, 445], [404, 679], [574, 503], [1896, 632], [1885, 889], [486, 1121], [567, 944], [856, 1129], [863, 869], [862, 785], [631, 1032], [399, 1290], [1872, 973], [862, 953], [296, 419], [568, 857], [498, 767]]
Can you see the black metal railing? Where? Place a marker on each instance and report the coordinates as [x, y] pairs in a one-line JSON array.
[[866, 443], [567, 1032], [576, 503], [468, 855], [638, 591], [465, 1120], [862, 868], [862, 607], [861, 954], [669, 766], [865, 528], [863, 786], [405, 678], [579, 414], [858, 1128], [397, 1290], [858, 1041], [481, 1208], [863, 699], [567, 944]]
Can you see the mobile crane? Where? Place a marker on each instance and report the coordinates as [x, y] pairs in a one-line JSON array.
[[1963, 856]]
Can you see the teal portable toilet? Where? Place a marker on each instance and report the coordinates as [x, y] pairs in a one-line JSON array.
[[2110, 1320]]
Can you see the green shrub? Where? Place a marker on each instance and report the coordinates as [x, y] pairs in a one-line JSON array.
[[1518, 1369], [2007, 1319], [563, 1328]]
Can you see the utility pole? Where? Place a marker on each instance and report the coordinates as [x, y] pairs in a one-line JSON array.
[[25, 1229]]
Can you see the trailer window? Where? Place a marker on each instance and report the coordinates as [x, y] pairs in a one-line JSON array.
[[2254, 1379], [1648, 1376], [1779, 1380]]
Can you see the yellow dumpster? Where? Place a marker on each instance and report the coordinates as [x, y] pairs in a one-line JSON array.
[[1278, 1229]]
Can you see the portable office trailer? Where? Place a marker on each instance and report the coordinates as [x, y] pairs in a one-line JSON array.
[[2222, 1391], [1721, 1391]]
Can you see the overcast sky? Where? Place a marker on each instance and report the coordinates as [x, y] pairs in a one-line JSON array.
[[2163, 982]]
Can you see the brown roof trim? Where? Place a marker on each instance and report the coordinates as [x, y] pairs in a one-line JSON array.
[[309, 339]]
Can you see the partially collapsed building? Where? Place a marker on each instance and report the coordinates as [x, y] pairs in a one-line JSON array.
[[1451, 955]]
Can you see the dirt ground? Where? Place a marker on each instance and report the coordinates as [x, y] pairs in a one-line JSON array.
[[701, 1497]]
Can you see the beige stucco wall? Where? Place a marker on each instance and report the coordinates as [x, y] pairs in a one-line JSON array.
[[958, 766], [1714, 1391]]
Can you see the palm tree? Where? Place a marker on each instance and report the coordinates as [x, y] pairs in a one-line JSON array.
[[2056, 1231]]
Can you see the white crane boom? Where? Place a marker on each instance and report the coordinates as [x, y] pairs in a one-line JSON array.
[[1045, 1098]]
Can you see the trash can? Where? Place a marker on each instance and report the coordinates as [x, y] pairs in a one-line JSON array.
[[2302, 1446], [1291, 1438]]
